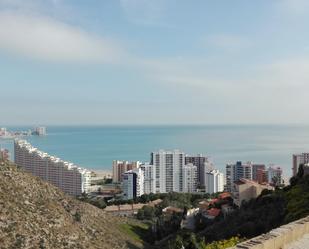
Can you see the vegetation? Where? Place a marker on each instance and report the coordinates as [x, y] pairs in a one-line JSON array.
[[189, 240], [270, 210], [137, 231]]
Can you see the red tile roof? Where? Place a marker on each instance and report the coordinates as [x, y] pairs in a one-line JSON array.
[[224, 195]]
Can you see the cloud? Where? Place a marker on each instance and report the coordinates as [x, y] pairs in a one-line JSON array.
[[294, 7], [227, 42], [47, 39]]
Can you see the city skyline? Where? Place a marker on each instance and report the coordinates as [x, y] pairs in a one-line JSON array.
[[153, 62]]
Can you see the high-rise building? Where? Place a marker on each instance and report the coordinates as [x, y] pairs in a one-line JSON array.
[[299, 159], [149, 178], [255, 170], [71, 179], [168, 170], [214, 181], [133, 183], [237, 171], [203, 165], [120, 167], [262, 176], [274, 174], [189, 178]]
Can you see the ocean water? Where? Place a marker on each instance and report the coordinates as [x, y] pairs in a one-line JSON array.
[[95, 147]]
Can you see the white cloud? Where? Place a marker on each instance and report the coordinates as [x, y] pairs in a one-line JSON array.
[[47, 39], [294, 7], [228, 42]]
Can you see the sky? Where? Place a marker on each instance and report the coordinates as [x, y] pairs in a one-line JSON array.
[[154, 62]]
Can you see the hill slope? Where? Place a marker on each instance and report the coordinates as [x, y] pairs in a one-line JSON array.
[[35, 214]]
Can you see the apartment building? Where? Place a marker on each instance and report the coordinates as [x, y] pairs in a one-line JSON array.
[[120, 167], [298, 159], [133, 183], [168, 170], [68, 177], [214, 181], [189, 178], [203, 165], [149, 178], [274, 174], [244, 190], [240, 170]]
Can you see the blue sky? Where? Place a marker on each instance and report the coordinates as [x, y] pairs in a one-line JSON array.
[[154, 62]]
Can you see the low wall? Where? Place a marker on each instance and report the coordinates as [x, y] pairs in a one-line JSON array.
[[278, 238]]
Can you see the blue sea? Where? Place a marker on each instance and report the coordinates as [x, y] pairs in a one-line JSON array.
[[95, 147]]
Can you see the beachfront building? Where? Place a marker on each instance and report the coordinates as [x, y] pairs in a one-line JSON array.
[[244, 190], [214, 181], [149, 178], [168, 170], [133, 183], [189, 178], [68, 177], [120, 167], [203, 165], [298, 159]]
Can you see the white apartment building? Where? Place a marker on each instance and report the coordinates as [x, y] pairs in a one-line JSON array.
[[133, 183], [168, 170], [68, 177], [149, 178], [214, 181], [189, 178]]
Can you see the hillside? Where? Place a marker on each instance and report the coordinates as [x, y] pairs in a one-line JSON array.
[[35, 214]]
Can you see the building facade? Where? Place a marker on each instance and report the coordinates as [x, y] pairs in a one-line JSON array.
[[214, 181], [149, 178], [235, 172], [244, 190], [189, 181], [133, 183], [120, 167], [274, 174], [256, 168], [68, 177], [298, 159], [168, 170], [203, 165]]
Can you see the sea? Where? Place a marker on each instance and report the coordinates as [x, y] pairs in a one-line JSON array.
[[95, 147]]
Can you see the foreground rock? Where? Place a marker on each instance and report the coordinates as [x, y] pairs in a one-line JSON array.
[[35, 214]]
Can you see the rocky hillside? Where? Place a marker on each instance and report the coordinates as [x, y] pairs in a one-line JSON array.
[[35, 214]]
